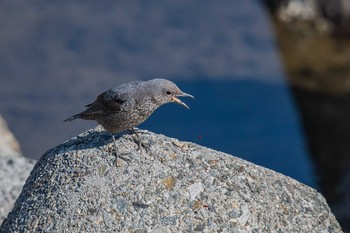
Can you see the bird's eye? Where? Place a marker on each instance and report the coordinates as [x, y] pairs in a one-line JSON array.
[[168, 93]]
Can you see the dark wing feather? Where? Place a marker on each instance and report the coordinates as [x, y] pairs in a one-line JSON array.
[[106, 103]]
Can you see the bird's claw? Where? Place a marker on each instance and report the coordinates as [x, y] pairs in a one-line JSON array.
[[140, 145], [138, 141], [117, 164]]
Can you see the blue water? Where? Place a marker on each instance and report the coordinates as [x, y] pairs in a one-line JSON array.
[[256, 121]]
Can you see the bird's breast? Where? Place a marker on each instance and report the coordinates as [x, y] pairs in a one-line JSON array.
[[130, 116]]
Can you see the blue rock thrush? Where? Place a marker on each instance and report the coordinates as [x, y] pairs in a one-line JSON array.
[[127, 105]]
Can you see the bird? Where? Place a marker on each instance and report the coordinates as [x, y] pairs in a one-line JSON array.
[[128, 105]]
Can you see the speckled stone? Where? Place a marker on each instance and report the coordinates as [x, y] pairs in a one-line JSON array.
[[77, 187], [14, 170]]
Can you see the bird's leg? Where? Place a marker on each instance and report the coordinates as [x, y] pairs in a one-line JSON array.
[[115, 151], [115, 147], [135, 132], [138, 140]]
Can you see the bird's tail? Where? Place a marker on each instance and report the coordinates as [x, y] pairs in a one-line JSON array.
[[72, 117]]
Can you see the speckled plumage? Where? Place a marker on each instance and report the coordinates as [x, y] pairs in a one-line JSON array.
[[128, 105]]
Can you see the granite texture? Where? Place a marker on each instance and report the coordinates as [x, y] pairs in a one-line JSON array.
[[171, 186], [14, 170]]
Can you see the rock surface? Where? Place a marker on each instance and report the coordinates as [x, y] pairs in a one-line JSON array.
[[171, 187], [14, 171]]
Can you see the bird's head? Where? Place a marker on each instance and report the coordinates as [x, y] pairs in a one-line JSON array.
[[165, 91]]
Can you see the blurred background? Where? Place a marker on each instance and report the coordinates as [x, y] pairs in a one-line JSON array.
[[271, 77]]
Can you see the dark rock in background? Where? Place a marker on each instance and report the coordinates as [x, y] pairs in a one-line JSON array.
[[319, 15], [313, 37], [327, 125]]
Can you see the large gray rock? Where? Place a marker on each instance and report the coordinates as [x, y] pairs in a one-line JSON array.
[[172, 187]]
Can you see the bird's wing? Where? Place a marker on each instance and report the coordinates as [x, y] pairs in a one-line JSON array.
[[106, 103]]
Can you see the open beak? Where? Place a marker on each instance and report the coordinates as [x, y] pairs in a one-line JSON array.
[[176, 100]]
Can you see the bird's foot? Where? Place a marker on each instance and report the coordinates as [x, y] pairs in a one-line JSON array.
[[140, 145], [118, 158], [138, 141]]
